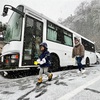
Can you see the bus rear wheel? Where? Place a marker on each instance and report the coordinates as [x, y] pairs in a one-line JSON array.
[[55, 65], [87, 62]]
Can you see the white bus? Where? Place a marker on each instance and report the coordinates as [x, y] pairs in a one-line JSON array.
[[27, 28]]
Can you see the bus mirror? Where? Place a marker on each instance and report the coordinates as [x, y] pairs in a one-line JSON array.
[[5, 11]]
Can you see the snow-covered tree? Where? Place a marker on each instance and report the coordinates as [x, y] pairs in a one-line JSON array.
[[86, 21]]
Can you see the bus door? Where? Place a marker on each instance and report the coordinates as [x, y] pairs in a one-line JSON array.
[[32, 39]]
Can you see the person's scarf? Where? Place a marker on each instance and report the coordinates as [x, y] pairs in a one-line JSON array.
[[77, 44]]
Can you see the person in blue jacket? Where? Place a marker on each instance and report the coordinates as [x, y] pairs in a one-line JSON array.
[[44, 62]]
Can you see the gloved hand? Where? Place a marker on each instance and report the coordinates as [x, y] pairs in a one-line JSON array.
[[36, 63], [40, 62]]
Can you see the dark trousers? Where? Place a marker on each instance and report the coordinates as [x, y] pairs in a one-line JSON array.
[[80, 66]]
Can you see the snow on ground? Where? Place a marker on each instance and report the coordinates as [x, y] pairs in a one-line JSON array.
[[63, 82]]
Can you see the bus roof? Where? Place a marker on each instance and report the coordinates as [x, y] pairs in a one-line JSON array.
[[40, 15]]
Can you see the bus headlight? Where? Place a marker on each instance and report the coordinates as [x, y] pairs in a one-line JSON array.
[[13, 61], [15, 56]]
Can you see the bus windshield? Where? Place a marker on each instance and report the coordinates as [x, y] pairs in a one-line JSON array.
[[14, 27]]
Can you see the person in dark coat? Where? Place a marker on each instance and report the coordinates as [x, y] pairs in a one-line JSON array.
[[44, 62]]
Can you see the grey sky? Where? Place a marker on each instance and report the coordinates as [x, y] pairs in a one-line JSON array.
[[53, 9]]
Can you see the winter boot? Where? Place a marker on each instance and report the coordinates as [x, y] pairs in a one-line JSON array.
[[50, 77], [39, 81]]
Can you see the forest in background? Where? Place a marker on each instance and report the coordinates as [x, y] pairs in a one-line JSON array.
[[86, 21]]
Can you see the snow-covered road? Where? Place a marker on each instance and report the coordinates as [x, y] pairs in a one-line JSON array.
[[64, 83]]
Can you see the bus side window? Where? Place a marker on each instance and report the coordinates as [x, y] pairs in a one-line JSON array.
[[38, 37], [51, 32], [60, 35], [68, 38], [88, 45]]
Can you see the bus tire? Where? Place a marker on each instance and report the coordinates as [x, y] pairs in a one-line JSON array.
[[87, 62], [55, 63]]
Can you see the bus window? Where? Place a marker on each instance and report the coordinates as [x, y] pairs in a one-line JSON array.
[[55, 33], [32, 40], [14, 27], [51, 32], [38, 37], [68, 38], [88, 46], [29, 32], [60, 35]]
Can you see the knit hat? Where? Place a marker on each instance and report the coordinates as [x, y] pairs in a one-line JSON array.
[[44, 45]]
